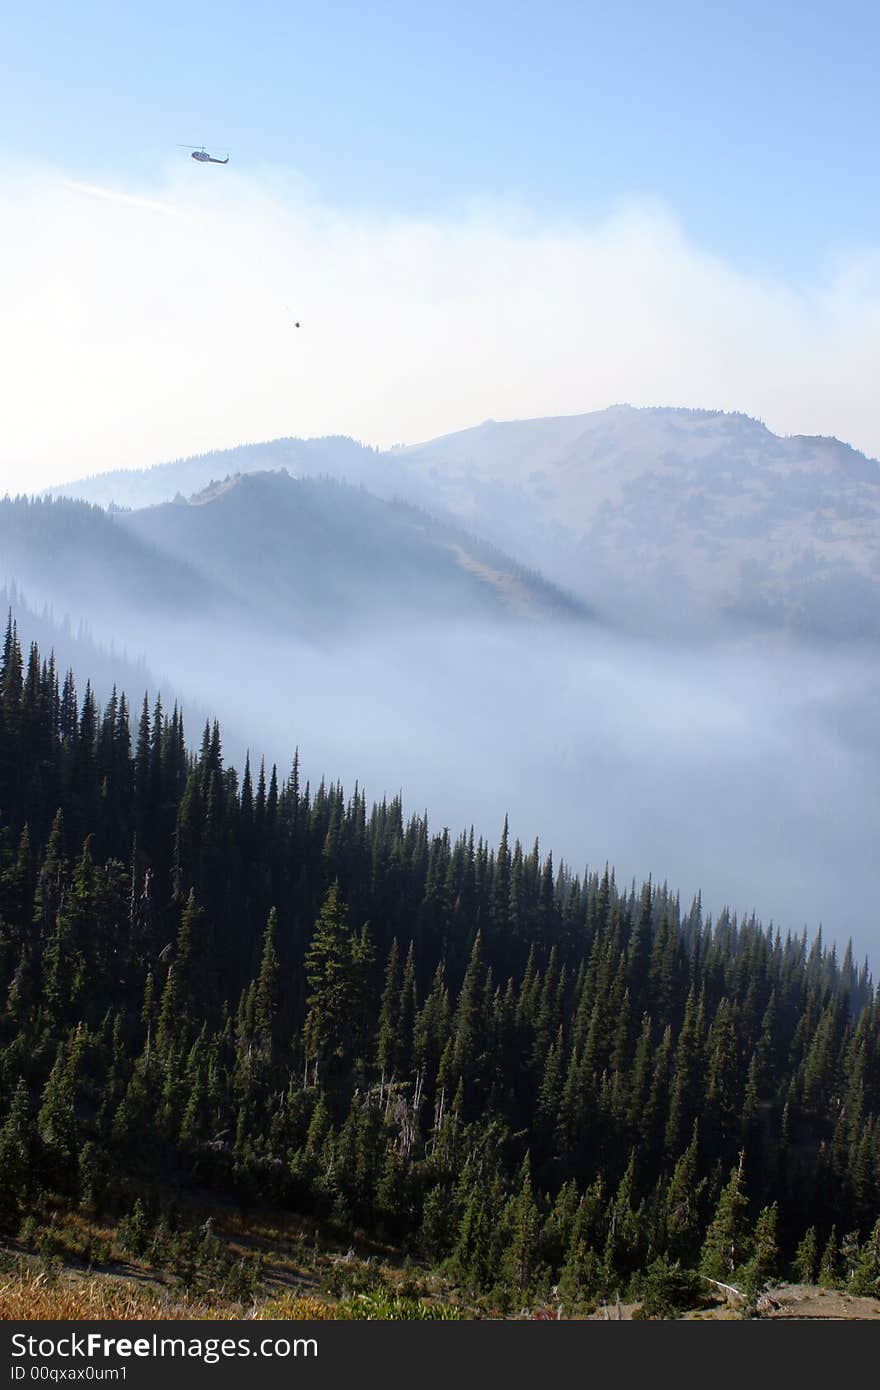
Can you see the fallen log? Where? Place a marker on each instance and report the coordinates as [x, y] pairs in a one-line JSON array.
[[728, 1288]]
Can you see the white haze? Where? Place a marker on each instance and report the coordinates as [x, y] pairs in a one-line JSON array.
[[745, 768], [736, 769], [141, 323]]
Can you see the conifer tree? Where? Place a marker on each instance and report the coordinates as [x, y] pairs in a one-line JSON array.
[[524, 1236], [829, 1265], [56, 1128], [865, 1278], [387, 1042], [327, 1031], [16, 1145], [764, 1260], [266, 1000], [806, 1260], [466, 1034], [728, 1240], [682, 1204]]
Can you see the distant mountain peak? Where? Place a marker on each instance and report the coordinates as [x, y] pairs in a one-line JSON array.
[[708, 507], [259, 481], [214, 490]]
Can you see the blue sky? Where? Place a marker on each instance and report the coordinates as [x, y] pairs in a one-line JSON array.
[[756, 124], [487, 210]]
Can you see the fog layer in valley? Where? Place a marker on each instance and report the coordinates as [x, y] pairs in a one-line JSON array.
[[748, 770]]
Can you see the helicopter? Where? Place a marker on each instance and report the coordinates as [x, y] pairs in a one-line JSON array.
[[201, 154]]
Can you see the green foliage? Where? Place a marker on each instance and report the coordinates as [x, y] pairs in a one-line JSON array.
[[864, 1276], [806, 1260], [728, 1239], [93, 1174], [523, 1228], [57, 1130], [15, 1160], [331, 1003], [134, 1231], [349, 1276], [205, 984], [371, 1307], [829, 1265], [763, 1264], [667, 1289]]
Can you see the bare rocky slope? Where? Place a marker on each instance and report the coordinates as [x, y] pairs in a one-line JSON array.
[[655, 508]]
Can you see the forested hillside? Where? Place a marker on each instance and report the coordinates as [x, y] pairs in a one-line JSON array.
[[74, 645], [280, 994], [75, 558], [330, 558]]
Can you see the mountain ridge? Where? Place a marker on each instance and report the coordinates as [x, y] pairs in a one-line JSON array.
[[666, 518], [313, 554]]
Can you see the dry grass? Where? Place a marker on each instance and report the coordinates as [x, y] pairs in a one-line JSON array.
[[290, 1308], [28, 1294]]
